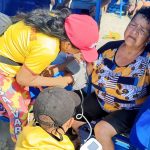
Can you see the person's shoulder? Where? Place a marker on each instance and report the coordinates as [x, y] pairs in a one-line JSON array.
[[20, 25], [20, 29], [67, 142], [66, 138], [50, 42], [30, 132], [29, 137], [110, 45]]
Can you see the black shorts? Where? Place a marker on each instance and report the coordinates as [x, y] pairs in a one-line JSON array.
[[121, 120]]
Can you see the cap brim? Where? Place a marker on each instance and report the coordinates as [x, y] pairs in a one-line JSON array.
[[90, 55], [75, 97]]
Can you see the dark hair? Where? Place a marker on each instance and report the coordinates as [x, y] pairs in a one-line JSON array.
[[145, 12], [50, 23]]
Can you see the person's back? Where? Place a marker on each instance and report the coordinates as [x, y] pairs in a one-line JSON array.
[[34, 137], [53, 111], [24, 45]]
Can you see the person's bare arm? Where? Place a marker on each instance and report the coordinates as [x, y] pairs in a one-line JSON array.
[[89, 68], [26, 78]]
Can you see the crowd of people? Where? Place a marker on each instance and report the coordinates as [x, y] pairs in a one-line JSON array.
[[120, 72]]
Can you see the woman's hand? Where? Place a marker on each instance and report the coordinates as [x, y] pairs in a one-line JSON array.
[[51, 70], [69, 78], [48, 72]]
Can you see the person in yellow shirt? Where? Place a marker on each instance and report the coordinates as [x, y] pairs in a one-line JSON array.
[[28, 47], [53, 110]]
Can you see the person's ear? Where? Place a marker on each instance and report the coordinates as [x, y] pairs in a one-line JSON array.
[[68, 124]]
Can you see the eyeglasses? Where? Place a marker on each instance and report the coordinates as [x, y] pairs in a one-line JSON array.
[[139, 30]]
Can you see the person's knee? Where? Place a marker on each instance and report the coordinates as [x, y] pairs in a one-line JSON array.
[[103, 128]]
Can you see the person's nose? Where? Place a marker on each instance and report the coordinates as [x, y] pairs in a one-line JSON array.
[[136, 30]]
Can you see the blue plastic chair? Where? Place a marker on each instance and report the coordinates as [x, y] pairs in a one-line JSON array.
[[86, 4], [122, 4], [118, 8]]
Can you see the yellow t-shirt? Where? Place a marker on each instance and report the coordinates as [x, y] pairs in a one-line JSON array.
[[21, 43], [35, 138]]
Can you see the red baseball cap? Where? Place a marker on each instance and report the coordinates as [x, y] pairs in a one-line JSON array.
[[82, 30]]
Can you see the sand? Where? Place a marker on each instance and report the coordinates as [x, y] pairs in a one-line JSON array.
[[112, 23]]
